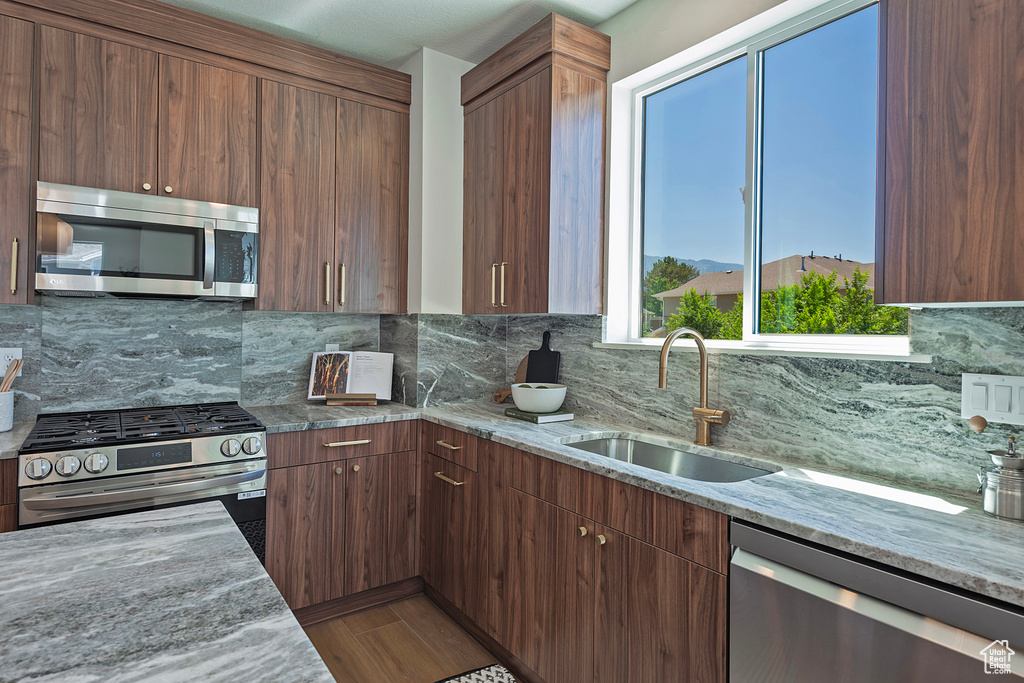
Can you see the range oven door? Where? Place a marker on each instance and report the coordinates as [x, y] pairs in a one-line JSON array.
[[240, 486]]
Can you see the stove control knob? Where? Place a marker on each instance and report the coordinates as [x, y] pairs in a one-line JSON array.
[[252, 445], [67, 465], [95, 463], [230, 448], [37, 468]]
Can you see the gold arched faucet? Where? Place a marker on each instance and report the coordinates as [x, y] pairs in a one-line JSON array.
[[704, 416]]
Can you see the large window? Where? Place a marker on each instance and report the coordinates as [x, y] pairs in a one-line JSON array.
[[756, 191]]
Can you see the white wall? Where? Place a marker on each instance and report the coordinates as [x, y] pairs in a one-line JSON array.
[[435, 182], [649, 31]]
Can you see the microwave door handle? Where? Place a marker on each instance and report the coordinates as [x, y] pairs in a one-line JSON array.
[[151, 491], [209, 254]]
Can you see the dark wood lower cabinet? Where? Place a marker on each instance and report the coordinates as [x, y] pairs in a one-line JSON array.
[[551, 590], [450, 557], [341, 527], [301, 509]]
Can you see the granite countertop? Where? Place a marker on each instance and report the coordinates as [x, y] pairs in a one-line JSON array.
[[10, 441], [936, 535], [165, 595]]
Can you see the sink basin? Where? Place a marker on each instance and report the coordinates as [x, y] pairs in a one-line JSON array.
[[670, 460]]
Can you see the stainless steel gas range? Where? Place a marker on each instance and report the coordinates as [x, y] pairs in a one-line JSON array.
[[100, 463]]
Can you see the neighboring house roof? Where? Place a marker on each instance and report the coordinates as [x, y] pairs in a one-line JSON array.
[[786, 271]]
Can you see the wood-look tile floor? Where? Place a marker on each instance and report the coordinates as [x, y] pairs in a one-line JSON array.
[[411, 641]]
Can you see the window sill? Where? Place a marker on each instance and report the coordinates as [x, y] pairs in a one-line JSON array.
[[898, 351]]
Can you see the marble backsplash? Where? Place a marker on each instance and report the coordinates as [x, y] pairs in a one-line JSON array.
[[889, 419], [893, 420], [93, 354]]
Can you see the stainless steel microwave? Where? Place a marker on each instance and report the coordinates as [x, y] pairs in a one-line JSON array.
[[93, 242]]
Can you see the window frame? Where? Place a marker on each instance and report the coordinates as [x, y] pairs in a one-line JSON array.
[[750, 40]]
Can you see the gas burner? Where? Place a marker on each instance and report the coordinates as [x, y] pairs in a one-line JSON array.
[[97, 428]]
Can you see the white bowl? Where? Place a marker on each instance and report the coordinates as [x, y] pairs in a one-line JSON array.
[[538, 397]]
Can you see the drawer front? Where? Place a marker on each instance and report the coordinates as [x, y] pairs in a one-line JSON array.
[[681, 528], [339, 443], [451, 445]]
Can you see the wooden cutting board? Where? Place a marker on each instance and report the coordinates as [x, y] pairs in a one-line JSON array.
[[503, 395]]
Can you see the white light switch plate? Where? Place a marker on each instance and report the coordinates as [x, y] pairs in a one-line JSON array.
[[7, 356], [997, 398], [332, 347]]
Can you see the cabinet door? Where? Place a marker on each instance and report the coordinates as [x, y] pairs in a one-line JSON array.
[[483, 197], [551, 595], [950, 220], [365, 518], [97, 112], [451, 556], [301, 532], [643, 607], [297, 147], [207, 133], [373, 209], [15, 160], [402, 541], [526, 210]]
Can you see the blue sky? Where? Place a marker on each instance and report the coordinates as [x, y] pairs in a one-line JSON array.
[[819, 152]]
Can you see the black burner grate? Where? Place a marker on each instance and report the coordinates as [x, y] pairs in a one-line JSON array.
[[66, 431]]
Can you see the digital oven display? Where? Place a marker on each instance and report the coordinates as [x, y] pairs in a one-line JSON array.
[[151, 456]]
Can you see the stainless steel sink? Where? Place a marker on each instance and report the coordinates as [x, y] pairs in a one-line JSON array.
[[670, 460]]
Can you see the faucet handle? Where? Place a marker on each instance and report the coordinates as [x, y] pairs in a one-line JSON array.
[[1011, 448], [718, 417]]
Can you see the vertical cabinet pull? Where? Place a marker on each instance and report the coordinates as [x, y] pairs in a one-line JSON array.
[[503, 304], [14, 266], [494, 278], [341, 285], [327, 283]]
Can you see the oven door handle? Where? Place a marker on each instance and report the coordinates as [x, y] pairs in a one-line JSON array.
[[140, 493], [209, 254]]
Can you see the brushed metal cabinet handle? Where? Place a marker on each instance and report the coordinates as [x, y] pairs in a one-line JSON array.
[[340, 444], [440, 475], [168, 189], [147, 187], [503, 304], [14, 266], [327, 283], [494, 279], [445, 444], [341, 296], [209, 254]]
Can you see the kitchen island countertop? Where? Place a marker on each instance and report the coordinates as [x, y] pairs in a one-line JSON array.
[[163, 595]]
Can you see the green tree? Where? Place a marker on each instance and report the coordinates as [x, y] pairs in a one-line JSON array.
[[699, 312], [817, 305], [666, 273]]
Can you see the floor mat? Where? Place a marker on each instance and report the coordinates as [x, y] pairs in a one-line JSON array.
[[489, 674]]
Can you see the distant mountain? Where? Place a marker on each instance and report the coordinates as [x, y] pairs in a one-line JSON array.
[[703, 265]]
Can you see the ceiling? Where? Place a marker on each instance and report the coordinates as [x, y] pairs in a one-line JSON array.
[[388, 32]]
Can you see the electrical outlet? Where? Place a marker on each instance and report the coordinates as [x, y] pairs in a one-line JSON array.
[[8, 356], [333, 347]]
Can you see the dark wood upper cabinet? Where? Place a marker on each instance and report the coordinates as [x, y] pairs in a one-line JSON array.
[[483, 195], [951, 204], [16, 39], [297, 199], [373, 209], [207, 133], [533, 213], [97, 112]]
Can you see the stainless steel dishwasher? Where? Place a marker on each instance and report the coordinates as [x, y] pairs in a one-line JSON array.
[[799, 613]]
